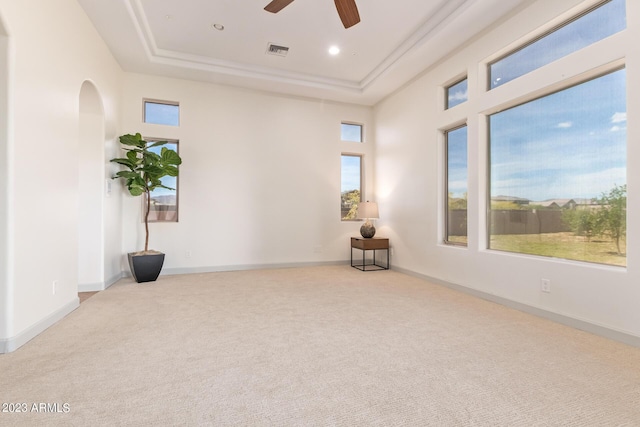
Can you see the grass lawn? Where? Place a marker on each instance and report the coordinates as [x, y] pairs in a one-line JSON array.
[[563, 245]]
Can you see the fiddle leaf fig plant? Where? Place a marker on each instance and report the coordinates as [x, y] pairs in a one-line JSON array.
[[145, 170]]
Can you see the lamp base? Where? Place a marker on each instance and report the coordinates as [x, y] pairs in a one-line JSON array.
[[367, 230]]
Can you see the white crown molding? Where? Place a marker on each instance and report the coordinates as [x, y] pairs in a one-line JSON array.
[[435, 23], [203, 63], [425, 31]]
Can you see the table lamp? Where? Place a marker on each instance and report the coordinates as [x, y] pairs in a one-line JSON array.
[[367, 211]]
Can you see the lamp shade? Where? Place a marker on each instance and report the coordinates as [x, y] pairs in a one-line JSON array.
[[368, 210]]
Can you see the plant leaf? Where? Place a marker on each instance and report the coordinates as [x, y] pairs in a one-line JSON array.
[[126, 174], [170, 156], [164, 186], [136, 190], [126, 162], [153, 171], [134, 140], [157, 143], [133, 156], [171, 170]]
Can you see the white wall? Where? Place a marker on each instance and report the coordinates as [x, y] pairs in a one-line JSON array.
[[260, 180], [55, 49], [410, 170], [4, 179]]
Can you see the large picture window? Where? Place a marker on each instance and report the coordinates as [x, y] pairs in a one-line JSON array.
[[351, 186], [558, 174], [596, 24], [456, 182]]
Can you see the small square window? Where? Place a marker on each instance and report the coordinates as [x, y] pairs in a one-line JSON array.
[[162, 113], [351, 132], [456, 94]]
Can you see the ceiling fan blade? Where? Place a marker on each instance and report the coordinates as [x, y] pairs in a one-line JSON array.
[[348, 12], [277, 5]]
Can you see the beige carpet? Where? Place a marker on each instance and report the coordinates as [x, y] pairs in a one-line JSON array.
[[318, 346]]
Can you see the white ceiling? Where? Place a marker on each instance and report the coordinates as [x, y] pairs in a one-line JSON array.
[[393, 43]]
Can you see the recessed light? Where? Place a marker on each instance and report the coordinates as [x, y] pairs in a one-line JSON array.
[[168, 16], [218, 27], [334, 50]]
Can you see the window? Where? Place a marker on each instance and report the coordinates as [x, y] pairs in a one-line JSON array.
[[594, 25], [351, 132], [164, 202], [351, 186], [162, 113], [456, 182], [558, 173], [456, 94]]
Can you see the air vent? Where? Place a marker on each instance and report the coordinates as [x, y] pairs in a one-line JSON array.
[[274, 49]]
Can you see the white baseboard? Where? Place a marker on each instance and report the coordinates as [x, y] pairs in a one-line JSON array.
[[90, 287], [217, 268], [572, 322], [13, 343], [99, 286]]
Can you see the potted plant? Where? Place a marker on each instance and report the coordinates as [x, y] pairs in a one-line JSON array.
[[144, 172]]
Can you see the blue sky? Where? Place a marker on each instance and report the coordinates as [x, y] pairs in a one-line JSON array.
[[350, 173], [571, 144], [608, 19], [457, 94], [457, 162], [161, 114], [351, 132]]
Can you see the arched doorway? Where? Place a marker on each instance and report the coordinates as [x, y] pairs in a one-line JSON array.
[[91, 190]]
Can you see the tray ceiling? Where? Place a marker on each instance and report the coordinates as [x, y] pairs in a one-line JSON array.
[[227, 41]]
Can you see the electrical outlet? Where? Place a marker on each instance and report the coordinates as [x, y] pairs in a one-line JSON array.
[[317, 249], [54, 287], [187, 254], [545, 285]]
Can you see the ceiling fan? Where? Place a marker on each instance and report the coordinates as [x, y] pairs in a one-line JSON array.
[[347, 10]]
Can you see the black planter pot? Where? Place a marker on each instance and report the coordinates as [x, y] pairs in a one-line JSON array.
[[146, 267]]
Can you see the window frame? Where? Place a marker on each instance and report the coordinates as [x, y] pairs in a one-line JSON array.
[[448, 86], [541, 35], [348, 123], [146, 101], [175, 141], [445, 136], [589, 62], [533, 95], [361, 189]]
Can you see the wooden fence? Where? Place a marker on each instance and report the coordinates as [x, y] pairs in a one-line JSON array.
[[504, 221]]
